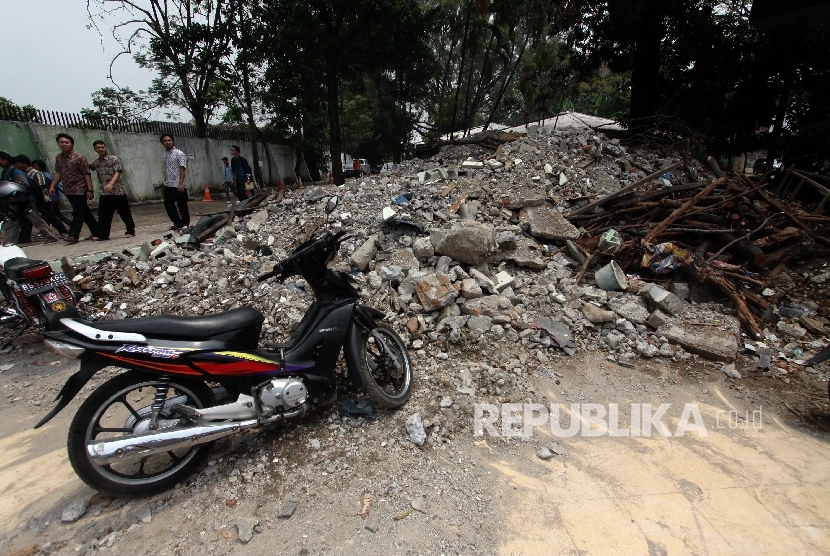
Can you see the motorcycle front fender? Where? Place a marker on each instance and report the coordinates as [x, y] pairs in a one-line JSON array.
[[72, 387], [363, 318]]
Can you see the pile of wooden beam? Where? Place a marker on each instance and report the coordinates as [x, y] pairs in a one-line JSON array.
[[736, 235]]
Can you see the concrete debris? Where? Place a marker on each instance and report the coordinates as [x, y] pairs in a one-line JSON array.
[[415, 428], [507, 274], [75, 510], [245, 527]]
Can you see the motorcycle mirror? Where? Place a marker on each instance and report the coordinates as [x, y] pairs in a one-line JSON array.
[[332, 204]]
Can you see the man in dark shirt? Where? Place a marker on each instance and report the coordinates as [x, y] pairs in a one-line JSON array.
[[113, 195], [72, 169], [241, 172]]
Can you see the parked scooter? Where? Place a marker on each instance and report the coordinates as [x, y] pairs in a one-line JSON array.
[[32, 293], [147, 429]]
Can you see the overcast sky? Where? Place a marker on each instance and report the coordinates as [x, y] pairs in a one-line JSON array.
[[52, 61]]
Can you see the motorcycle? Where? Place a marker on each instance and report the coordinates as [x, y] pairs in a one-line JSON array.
[[33, 294], [150, 427]]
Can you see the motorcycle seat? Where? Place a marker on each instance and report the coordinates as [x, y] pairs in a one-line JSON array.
[[14, 267], [187, 328]]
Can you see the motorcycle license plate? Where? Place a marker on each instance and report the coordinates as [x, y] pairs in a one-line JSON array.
[[37, 286]]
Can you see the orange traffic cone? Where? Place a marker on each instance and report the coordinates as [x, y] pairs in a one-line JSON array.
[[331, 178], [207, 198]]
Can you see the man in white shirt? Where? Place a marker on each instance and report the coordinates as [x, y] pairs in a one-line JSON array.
[[175, 194]]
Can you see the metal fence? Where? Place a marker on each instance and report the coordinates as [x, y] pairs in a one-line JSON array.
[[110, 123]]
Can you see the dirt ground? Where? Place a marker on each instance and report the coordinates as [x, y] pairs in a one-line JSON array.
[[756, 483]]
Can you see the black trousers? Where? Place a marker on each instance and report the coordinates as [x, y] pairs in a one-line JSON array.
[[109, 205], [47, 213], [176, 205], [81, 215]]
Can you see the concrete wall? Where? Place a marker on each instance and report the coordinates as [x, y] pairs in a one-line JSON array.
[[142, 153]]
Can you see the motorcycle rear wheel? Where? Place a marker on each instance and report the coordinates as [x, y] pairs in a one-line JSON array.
[[122, 406], [388, 374]]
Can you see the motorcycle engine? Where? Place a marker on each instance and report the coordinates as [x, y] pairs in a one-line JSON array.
[[283, 393]]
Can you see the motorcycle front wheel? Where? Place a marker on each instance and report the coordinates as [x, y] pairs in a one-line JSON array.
[[386, 367], [123, 406]]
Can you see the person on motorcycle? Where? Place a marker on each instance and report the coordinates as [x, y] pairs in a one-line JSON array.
[[17, 209]]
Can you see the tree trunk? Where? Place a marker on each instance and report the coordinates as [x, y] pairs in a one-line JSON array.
[[460, 70], [507, 81], [332, 85], [645, 72], [249, 107]]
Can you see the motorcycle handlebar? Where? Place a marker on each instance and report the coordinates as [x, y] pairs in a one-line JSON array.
[[329, 240]]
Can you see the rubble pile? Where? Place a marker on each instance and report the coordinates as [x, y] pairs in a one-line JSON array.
[[504, 260]]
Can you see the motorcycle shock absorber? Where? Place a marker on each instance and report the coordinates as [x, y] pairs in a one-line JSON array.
[[162, 387]]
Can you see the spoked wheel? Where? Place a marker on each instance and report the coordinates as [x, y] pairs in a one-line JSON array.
[[123, 406], [386, 367]]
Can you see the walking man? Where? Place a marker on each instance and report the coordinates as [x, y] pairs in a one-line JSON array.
[[72, 169], [175, 194], [113, 195], [20, 213], [241, 172], [228, 177]]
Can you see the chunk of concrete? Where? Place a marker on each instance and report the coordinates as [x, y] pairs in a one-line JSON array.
[[681, 289], [709, 342], [663, 300], [545, 222], [435, 292], [657, 319], [360, 259], [468, 242]]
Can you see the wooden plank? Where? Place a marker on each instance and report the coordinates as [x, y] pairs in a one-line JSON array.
[[678, 212], [624, 190]]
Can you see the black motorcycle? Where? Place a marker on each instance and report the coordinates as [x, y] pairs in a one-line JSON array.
[[146, 429]]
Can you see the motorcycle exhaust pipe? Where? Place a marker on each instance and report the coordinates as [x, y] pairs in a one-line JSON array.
[[137, 447]]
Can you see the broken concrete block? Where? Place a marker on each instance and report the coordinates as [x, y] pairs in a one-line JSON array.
[[482, 280], [468, 242], [423, 248], [708, 342], [470, 289], [664, 300], [472, 165], [506, 240], [491, 306], [657, 319], [481, 323], [405, 258], [360, 259], [680, 289], [503, 280], [596, 315], [545, 222], [730, 371], [790, 330], [631, 308], [435, 292], [813, 325], [523, 197], [390, 272]]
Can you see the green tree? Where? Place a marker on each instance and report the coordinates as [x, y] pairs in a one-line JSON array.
[[27, 113], [184, 41]]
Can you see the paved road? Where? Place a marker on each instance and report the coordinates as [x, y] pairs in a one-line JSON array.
[[151, 223]]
